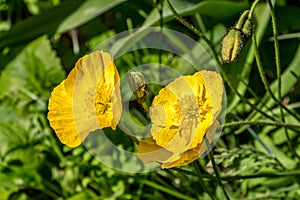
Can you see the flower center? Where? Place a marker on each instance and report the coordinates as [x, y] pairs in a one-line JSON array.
[[189, 108], [102, 107], [194, 108], [103, 100]]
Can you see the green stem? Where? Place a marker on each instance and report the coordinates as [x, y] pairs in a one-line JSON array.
[[200, 23], [278, 69], [240, 177], [197, 166], [277, 60], [265, 82], [194, 30], [241, 21], [252, 8], [219, 180]]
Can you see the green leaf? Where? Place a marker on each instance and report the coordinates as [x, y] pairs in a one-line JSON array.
[[79, 196], [32, 74], [222, 10], [87, 11], [68, 15], [5, 193], [33, 27], [25, 85], [286, 161]]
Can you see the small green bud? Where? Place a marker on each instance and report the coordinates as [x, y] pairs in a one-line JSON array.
[[245, 24], [247, 28], [231, 45]]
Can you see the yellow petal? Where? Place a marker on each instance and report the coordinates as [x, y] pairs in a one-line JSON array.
[[203, 94], [186, 158], [215, 87], [90, 96], [61, 116], [210, 135], [173, 103], [163, 107], [182, 114], [149, 151]]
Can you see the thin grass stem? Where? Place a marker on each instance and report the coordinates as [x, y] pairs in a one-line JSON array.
[[265, 82], [197, 167], [267, 87], [219, 180], [278, 69]]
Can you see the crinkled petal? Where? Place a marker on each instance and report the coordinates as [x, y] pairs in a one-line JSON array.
[[186, 158], [90, 95], [61, 117], [163, 109], [210, 135], [203, 95], [149, 151], [214, 85], [182, 114]]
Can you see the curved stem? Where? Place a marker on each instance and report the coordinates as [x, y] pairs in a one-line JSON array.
[[241, 21], [252, 8]]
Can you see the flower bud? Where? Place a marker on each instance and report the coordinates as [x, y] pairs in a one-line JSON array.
[[137, 83], [231, 45], [247, 28], [235, 39]]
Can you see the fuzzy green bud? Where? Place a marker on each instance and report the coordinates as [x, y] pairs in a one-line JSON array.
[[235, 39], [231, 45], [247, 28]]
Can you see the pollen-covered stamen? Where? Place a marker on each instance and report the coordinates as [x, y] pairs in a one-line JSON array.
[[103, 104], [101, 108], [203, 105], [193, 109], [189, 108]]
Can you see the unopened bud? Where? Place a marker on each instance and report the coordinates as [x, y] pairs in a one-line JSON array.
[[245, 24], [235, 39], [137, 83], [231, 45]]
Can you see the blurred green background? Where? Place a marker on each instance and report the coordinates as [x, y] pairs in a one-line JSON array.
[[40, 40]]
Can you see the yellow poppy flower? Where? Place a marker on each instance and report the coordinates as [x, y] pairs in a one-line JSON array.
[[182, 114], [88, 99]]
